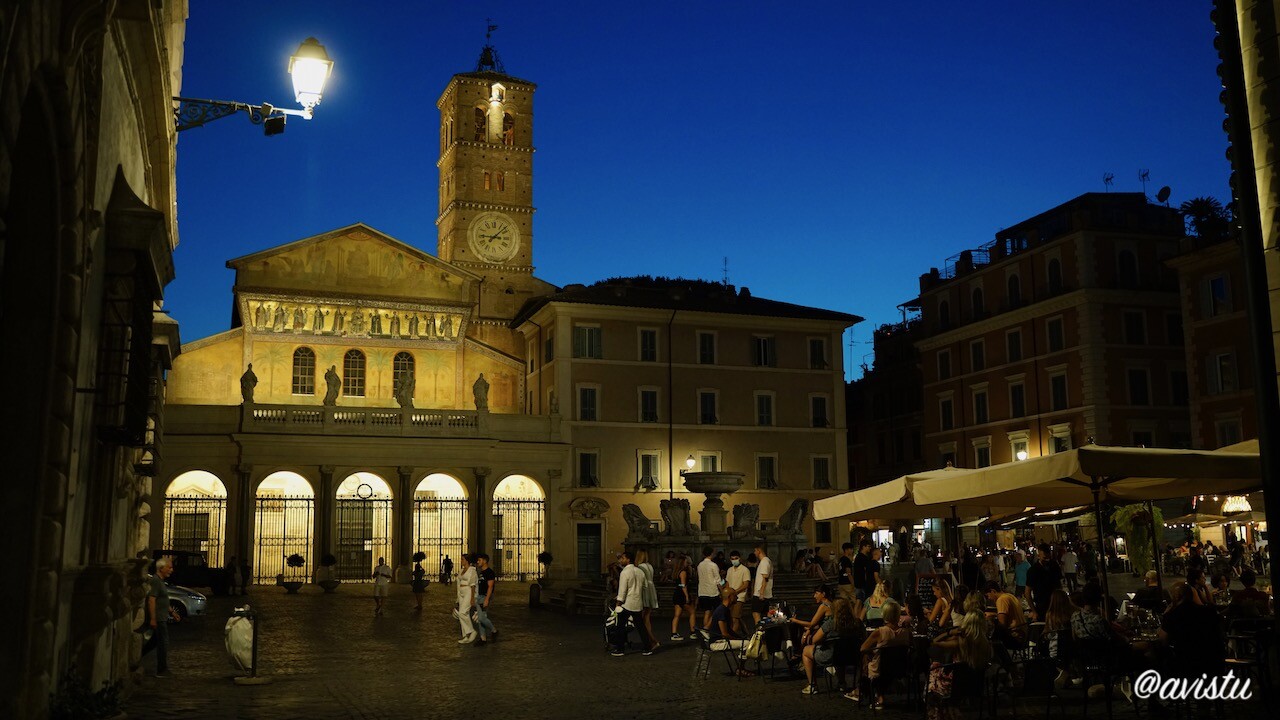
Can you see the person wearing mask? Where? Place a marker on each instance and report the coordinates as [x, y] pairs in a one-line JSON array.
[[864, 577], [738, 583], [630, 606], [762, 590], [708, 585]]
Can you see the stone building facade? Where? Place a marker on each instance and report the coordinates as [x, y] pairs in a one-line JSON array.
[[86, 236]]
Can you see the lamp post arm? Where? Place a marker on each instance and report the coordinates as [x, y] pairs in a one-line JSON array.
[[193, 112]]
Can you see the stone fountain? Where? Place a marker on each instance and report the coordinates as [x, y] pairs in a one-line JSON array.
[[713, 485]]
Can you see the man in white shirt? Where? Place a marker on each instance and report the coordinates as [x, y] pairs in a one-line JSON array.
[[466, 598], [630, 606], [381, 584], [1070, 561], [738, 582], [708, 585], [762, 593]]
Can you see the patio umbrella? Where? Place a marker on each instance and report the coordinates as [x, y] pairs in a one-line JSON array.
[[1088, 474], [1253, 516], [1196, 518]]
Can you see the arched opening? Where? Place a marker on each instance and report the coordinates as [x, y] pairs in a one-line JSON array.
[[195, 515], [519, 512], [508, 129], [284, 519], [979, 305], [1055, 276], [363, 526], [439, 520], [481, 124], [1015, 292], [304, 371], [1127, 269], [353, 374]]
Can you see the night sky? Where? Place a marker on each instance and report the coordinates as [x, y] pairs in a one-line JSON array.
[[831, 151]]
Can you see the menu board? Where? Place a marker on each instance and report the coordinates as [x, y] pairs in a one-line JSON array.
[[924, 588]]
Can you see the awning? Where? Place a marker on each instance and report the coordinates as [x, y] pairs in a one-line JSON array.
[[893, 499]]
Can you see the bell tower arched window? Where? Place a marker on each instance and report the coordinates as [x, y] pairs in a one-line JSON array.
[[353, 365], [304, 371], [508, 129], [481, 125]]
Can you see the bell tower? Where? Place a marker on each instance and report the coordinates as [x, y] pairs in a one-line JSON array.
[[486, 181]]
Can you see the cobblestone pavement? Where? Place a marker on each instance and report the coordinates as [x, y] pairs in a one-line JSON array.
[[329, 657]]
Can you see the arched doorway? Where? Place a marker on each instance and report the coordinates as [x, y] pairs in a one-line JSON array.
[[519, 512], [439, 520], [284, 519], [363, 526], [195, 515]]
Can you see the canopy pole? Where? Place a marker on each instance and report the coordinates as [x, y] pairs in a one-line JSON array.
[[1102, 552], [956, 533], [1155, 545]]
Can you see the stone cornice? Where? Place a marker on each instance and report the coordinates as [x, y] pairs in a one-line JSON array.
[[468, 205], [515, 269]]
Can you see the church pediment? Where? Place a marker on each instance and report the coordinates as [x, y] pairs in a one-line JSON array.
[[353, 262]]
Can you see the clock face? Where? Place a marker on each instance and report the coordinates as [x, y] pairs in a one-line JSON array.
[[494, 237]]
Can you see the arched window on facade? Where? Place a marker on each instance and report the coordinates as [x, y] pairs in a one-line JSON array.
[[944, 314], [1015, 292], [481, 125], [979, 306], [1055, 276], [304, 371], [501, 179], [353, 374], [1127, 269], [401, 368], [508, 129], [488, 180]]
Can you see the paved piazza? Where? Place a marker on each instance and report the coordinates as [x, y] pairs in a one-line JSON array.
[[329, 657]]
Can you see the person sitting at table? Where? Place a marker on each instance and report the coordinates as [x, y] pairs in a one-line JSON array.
[[1056, 639], [959, 604], [1151, 596], [840, 624], [1199, 590], [1010, 624], [873, 608], [940, 615], [967, 645], [886, 636], [802, 631], [913, 615], [1098, 638], [1194, 633], [1220, 590], [1250, 601]]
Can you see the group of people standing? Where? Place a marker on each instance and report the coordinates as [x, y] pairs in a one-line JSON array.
[[476, 582]]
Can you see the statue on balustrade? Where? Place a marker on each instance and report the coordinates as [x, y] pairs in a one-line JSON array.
[[333, 383], [676, 515], [746, 520], [481, 392], [792, 521], [248, 381], [404, 385], [639, 526]]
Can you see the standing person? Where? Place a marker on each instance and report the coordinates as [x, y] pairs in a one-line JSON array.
[[1070, 563], [381, 584], [467, 581], [650, 595], [1020, 568], [738, 583], [844, 572], [488, 579], [1042, 579], [708, 585], [446, 570], [762, 591], [876, 567], [864, 579], [682, 596], [630, 605], [419, 583], [158, 602]]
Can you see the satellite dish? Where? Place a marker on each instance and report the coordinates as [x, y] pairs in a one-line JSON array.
[[1163, 195]]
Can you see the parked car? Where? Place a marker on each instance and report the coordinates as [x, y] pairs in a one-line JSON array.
[[191, 569], [186, 602]]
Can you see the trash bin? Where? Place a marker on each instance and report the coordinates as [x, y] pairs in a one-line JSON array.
[[239, 637]]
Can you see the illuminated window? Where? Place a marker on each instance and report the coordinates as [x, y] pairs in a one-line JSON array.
[[304, 371], [401, 368], [501, 181], [353, 374], [508, 129], [487, 180]]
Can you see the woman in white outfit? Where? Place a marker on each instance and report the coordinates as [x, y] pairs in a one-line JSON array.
[[650, 593], [467, 581]]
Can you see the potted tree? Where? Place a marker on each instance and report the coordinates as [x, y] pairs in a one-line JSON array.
[[297, 562], [544, 559], [327, 578]]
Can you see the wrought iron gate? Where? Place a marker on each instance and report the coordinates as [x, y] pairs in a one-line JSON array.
[[364, 535], [195, 523], [517, 536], [284, 527], [439, 529]]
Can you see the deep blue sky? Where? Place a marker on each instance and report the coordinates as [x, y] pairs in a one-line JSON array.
[[832, 151]]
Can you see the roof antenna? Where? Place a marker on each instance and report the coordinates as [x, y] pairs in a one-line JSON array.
[[1107, 179], [1144, 177], [489, 60], [724, 272]]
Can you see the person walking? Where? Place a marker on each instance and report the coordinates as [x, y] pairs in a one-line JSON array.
[[1069, 562], [708, 585], [762, 591], [446, 570], [650, 595], [419, 581], [630, 606], [488, 579], [381, 585], [682, 596], [157, 603], [466, 599]]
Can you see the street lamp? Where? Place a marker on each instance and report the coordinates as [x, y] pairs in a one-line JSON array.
[[1022, 454], [688, 465], [309, 68]]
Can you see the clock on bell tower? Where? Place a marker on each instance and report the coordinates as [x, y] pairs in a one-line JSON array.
[[486, 174]]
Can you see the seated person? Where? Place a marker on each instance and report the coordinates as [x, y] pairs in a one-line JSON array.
[[720, 631], [873, 609], [822, 596], [960, 603], [1220, 590], [940, 615], [1250, 601], [1010, 624], [1057, 633], [913, 616], [1194, 633], [840, 624], [886, 636], [1151, 597], [967, 645]]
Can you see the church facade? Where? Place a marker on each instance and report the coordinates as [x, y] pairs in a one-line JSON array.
[[374, 400]]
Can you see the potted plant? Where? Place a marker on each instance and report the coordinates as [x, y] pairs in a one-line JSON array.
[[544, 559], [327, 578], [297, 562]]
